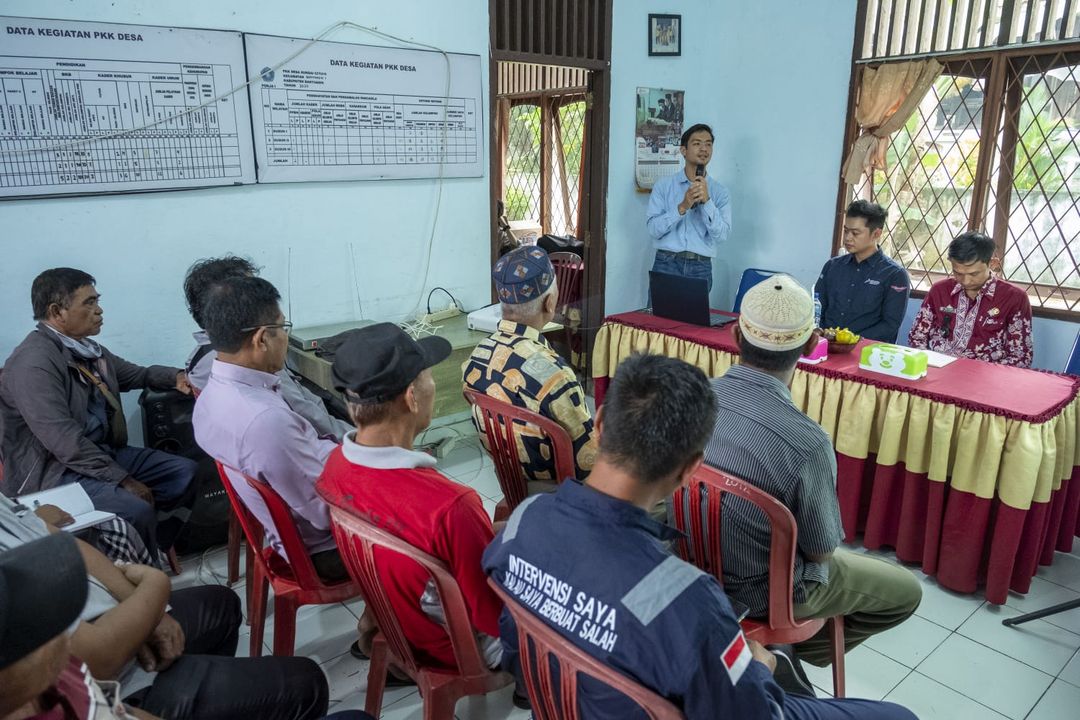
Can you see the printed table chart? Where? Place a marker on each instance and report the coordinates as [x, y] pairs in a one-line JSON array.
[[308, 127], [49, 118]]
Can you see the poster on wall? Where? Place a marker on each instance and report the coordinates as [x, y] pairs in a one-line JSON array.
[[658, 127], [343, 111], [100, 108]]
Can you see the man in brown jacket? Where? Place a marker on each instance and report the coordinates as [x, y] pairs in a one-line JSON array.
[[61, 420]]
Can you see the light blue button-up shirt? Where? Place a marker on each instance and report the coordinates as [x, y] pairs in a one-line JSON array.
[[700, 229]]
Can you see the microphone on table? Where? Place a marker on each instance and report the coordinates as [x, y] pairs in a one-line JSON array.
[[947, 315], [700, 172]]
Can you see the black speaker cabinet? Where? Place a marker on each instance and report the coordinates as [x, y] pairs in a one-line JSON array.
[[167, 426]]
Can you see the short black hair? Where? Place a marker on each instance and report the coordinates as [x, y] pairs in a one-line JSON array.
[[57, 285], [236, 303], [972, 247], [363, 414], [874, 215], [658, 414], [769, 360], [685, 140], [207, 273]]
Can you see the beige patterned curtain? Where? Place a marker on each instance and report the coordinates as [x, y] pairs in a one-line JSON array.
[[888, 95]]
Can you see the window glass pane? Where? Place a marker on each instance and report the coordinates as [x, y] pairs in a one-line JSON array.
[[928, 185], [572, 130], [523, 164], [1044, 221]]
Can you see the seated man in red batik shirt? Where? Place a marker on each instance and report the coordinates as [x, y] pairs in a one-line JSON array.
[[974, 314], [386, 379]]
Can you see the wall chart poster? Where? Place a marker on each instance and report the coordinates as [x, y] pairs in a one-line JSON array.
[[94, 108], [341, 111], [658, 128]]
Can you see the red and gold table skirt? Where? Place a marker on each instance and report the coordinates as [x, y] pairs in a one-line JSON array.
[[974, 494]]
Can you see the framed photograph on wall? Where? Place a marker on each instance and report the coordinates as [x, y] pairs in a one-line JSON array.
[[665, 35]]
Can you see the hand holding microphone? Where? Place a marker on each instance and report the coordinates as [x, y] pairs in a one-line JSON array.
[[701, 185]]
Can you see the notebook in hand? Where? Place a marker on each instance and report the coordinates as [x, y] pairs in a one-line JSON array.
[[73, 500]]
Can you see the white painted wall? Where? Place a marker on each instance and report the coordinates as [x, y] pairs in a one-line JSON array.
[[139, 246]]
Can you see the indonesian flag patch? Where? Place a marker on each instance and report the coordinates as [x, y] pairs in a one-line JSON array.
[[737, 657]]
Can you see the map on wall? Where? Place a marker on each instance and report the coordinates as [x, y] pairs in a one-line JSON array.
[[342, 111], [94, 108]]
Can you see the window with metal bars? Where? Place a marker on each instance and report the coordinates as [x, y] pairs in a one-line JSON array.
[[543, 161], [994, 145]]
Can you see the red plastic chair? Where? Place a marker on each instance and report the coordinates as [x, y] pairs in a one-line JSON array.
[[441, 688], [569, 272], [549, 645], [502, 423], [781, 627], [235, 535], [295, 582]]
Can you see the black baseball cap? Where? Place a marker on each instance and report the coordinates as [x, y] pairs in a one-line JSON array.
[[378, 362], [42, 591]]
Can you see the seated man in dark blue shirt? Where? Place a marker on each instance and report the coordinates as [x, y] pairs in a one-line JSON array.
[[865, 291], [611, 587]]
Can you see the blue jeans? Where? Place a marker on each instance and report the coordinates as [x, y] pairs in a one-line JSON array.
[[170, 479], [667, 262]]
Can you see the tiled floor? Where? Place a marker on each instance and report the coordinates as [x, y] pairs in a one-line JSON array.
[[953, 661]]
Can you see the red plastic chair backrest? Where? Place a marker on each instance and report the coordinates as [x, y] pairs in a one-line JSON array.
[[357, 539], [569, 269], [502, 422], [550, 648], [297, 556], [698, 505]]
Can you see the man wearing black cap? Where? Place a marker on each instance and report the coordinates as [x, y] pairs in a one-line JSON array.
[[386, 378], [42, 592]]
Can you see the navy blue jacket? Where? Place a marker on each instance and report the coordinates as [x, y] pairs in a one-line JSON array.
[[868, 297], [597, 570]]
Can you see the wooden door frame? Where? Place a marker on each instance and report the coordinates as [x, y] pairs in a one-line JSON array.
[[593, 191]]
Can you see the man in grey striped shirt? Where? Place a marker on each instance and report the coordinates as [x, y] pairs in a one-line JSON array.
[[761, 437]]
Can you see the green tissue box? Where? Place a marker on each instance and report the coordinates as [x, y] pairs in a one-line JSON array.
[[895, 360]]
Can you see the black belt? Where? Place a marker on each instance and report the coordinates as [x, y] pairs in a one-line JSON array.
[[686, 255]]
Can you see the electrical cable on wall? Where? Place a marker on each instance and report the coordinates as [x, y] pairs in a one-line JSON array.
[[356, 279]]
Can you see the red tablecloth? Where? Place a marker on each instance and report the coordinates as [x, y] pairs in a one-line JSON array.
[[964, 538]]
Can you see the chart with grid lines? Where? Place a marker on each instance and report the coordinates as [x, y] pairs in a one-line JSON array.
[[306, 127], [84, 124], [343, 111]]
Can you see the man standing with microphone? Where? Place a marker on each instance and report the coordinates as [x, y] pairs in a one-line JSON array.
[[689, 212]]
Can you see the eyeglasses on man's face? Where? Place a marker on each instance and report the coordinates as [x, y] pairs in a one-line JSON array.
[[286, 326]]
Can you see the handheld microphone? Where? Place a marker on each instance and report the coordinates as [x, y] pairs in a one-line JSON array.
[[700, 172], [947, 316]]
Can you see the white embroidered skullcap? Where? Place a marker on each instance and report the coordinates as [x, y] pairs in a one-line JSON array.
[[777, 314]]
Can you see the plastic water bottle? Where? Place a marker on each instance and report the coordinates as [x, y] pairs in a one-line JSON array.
[[817, 309]]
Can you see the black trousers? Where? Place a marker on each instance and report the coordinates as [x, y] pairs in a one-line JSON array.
[[208, 683]]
